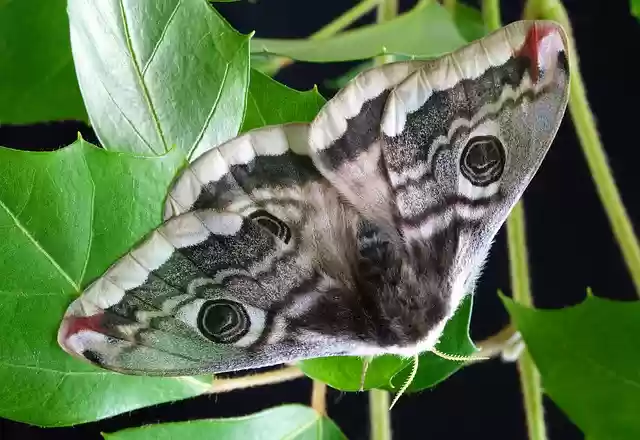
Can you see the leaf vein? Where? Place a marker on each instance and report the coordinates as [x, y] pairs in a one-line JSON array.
[[263, 120], [143, 85], [91, 218], [52, 370], [38, 246], [301, 429], [162, 35], [211, 112], [131, 124]]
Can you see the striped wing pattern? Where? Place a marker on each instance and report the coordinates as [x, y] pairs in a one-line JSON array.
[[356, 234]]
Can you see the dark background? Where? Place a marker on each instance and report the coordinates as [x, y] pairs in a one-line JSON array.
[[570, 242]]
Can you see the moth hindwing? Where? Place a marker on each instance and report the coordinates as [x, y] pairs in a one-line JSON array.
[[358, 234]]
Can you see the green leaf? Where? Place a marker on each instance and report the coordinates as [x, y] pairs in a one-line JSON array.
[[389, 372], [270, 103], [37, 79], [156, 74], [635, 8], [344, 79], [589, 359], [427, 31], [469, 21], [65, 216], [290, 422]]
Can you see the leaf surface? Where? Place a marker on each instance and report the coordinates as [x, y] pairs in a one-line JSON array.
[[270, 102], [589, 360], [427, 31], [469, 21], [156, 74], [37, 79], [290, 422], [65, 217], [389, 372], [635, 8]]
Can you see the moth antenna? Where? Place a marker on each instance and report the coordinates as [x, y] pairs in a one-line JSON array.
[[366, 360], [457, 358], [407, 382]]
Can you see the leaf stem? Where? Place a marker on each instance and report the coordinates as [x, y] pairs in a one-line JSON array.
[[319, 397], [346, 19], [592, 147], [532, 394], [255, 380], [519, 266], [450, 6], [379, 415], [491, 14], [329, 30], [521, 288], [502, 344], [387, 10], [520, 282]]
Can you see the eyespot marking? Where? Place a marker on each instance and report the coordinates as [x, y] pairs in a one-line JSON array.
[[223, 321], [272, 224], [482, 160]]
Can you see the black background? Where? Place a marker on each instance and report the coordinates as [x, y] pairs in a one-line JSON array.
[[571, 245]]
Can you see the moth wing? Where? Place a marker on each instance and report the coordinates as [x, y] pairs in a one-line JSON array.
[[436, 153], [226, 283], [344, 140], [189, 299], [463, 136]]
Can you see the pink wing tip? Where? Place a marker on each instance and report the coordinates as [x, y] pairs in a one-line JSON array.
[[73, 325], [545, 40]]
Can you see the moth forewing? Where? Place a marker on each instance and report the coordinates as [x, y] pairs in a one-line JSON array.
[[462, 138]]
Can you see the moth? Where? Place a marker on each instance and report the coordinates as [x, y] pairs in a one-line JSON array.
[[357, 234]]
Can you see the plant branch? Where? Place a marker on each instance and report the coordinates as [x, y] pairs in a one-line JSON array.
[[319, 397], [501, 344], [491, 14], [387, 10], [255, 380], [450, 6], [592, 147], [518, 263], [379, 415], [346, 19], [520, 286], [329, 30]]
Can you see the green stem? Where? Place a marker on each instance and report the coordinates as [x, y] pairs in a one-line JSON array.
[[346, 19], [387, 10], [592, 147], [520, 282], [531, 386], [491, 14], [521, 289], [329, 30], [450, 6], [379, 415], [518, 263]]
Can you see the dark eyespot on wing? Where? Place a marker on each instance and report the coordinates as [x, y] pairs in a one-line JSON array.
[[223, 321], [272, 224], [482, 160]]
